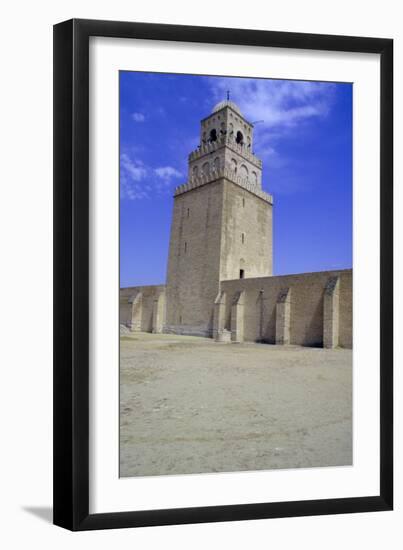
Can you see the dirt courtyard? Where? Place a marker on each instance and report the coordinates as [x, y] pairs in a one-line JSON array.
[[191, 405]]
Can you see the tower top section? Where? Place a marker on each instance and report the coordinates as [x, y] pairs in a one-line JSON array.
[[226, 103], [227, 124], [225, 150]]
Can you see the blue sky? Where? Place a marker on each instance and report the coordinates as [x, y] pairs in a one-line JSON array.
[[305, 143]]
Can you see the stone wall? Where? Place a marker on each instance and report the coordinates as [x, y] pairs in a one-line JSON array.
[[289, 309], [246, 234], [142, 308], [194, 260], [217, 230]]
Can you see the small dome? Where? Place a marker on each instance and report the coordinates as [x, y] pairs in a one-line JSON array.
[[226, 103]]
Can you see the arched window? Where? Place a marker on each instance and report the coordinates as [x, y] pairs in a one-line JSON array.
[[217, 164], [206, 169], [239, 138], [254, 177], [195, 171], [213, 135], [243, 171]]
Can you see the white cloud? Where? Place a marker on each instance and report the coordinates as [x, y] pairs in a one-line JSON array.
[[134, 168], [284, 106], [281, 104], [132, 173], [138, 117], [139, 181], [167, 172]]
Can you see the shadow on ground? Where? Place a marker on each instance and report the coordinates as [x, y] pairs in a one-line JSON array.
[[44, 513]]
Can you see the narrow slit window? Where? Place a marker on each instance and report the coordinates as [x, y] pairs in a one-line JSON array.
[[243, 238], [243, 202], [186, 247], [188, 212], [241, 273]]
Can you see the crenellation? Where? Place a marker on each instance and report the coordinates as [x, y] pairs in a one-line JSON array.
[[230, 175]]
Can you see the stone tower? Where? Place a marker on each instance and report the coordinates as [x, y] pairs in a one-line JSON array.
[[222, 222]]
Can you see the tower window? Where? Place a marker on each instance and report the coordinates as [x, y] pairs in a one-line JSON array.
[[243, 238], [188, 212], [186, 247], [243, 202], [239, 138], [241, 273], [213, 135]]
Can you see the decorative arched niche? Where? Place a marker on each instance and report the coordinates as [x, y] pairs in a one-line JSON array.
[[206, 169], [233, 165], [254, 178], [243, 171]]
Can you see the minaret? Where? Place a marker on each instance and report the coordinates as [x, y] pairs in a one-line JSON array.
[[222, 221]]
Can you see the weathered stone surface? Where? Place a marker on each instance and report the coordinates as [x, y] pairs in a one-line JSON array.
[[331, 313], [283, 317], [306, 321], [237, 317], [137, 310], [219, 314]]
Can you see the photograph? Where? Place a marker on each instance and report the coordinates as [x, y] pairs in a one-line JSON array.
[[206, 217], [236, 256]]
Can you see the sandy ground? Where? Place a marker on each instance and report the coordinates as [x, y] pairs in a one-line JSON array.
[[190, 405]]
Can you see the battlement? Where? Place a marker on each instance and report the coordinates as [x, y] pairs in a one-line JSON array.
[[225, 141], [227, 173]]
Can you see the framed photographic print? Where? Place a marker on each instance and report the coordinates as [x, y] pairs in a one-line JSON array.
[[223, 321]]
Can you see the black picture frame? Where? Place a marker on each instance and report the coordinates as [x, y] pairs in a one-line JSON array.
[[71, 274]]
